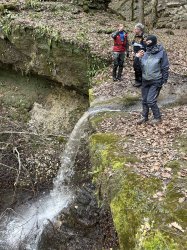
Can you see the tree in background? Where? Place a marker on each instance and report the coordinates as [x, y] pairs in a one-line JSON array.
[[132, 10], [154, 12], [141, 11]]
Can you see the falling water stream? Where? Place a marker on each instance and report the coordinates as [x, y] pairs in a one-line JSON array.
[[23, 229]]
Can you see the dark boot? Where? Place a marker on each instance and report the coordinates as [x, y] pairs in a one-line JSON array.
[[120, 73], [137, 83], [114, 73], [142, 120], [155, 121]]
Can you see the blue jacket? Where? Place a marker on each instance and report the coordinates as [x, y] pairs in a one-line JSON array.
[[154, 64]]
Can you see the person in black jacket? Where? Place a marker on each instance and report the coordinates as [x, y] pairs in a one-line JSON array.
[[138, 44]]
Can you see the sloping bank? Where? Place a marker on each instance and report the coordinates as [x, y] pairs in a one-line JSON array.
[[142, 219]]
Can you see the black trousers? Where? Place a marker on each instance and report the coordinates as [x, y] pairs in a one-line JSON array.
[[118, 62], [137, 71], [150, 93]]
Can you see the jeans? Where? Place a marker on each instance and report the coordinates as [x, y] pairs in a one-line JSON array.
[[150, 93]]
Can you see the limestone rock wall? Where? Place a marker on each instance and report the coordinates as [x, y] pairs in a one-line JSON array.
[[59, 61]]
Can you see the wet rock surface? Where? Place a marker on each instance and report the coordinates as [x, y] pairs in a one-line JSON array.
[[83, 224]]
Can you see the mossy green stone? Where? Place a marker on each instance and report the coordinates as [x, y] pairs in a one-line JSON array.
[[142, 221]]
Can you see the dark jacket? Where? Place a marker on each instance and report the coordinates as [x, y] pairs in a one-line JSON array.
[[120, 46], [138, 43], [154, 64]]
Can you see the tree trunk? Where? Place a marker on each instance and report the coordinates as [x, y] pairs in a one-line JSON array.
[[132, 10], [141, 11], [154, 12]]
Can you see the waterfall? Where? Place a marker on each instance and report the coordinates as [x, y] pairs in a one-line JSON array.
[[24, 228]]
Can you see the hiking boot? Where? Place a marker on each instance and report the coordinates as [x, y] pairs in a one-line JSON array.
[[155, 121], [137, 83], [114, 73], [120, 73], [119, 79], [142, 120]]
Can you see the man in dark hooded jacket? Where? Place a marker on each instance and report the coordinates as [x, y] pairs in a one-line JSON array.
[[155, 66]]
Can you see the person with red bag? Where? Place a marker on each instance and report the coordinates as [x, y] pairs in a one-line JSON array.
[[121, 46]]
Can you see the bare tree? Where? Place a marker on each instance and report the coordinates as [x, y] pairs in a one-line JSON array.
[[132, 10], [141, 11], [154, 12]]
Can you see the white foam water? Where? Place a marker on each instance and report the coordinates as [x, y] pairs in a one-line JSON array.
[[23, 229]]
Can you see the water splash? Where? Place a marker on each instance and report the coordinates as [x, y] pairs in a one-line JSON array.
[[23, 229]]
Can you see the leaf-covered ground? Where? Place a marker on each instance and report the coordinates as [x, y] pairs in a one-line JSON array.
[[103, 86], [156, 148]]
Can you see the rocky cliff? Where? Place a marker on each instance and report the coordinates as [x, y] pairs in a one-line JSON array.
[[163, 14]]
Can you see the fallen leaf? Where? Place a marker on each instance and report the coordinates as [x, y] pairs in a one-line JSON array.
[[181, 200], [166, 175], [176, 225]]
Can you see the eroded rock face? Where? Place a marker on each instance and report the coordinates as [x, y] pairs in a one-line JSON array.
[[61, 62], [170, 14]]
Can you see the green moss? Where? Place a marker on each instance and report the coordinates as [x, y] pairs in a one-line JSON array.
[[91, 95], [61, 139], [181, 143], [131, 158], [33, 3], [142, 221], [104, 139], [173, 164], [126, 101], [158, 241], [1, 8], [129, 100], [103, 146], [131, 205]]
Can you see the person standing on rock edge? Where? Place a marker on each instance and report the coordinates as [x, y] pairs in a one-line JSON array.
[[138, 44], [155, 71], [121, 46]]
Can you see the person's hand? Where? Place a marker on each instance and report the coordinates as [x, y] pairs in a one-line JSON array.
[[140, 54]]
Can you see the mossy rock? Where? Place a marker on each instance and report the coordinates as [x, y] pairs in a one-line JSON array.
[[42, 50], [142, 221], [123, 101]]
